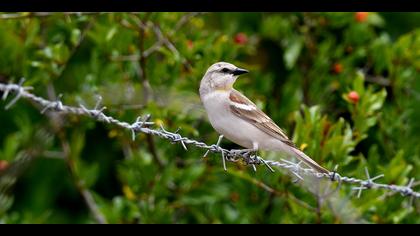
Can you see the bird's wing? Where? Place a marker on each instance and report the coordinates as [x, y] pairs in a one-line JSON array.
[[247, 110]]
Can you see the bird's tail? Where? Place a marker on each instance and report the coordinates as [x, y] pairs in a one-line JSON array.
[[303, 157]]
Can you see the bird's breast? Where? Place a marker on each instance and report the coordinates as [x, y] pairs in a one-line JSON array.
[[217, 106]]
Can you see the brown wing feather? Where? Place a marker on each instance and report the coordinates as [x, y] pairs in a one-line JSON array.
[[257, 118]]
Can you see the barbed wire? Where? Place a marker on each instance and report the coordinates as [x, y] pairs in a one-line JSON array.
[[143, 125]]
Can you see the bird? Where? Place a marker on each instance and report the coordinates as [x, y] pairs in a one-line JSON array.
[[238, 119]]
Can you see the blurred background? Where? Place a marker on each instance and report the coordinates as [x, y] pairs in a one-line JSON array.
[[344, 86]]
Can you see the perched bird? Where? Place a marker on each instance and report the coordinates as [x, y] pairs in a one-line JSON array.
[[238, 119]]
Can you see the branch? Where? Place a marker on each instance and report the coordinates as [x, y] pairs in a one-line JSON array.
[[184, 20], [80, 185], [141, 125], [13, 16], [70, 162], [147, 89], [161, 40]]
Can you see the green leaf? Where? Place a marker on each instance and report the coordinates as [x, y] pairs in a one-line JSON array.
[[358, 83], [88, 173], [375, 19], [75, 36], [292, 52], [111, 33]]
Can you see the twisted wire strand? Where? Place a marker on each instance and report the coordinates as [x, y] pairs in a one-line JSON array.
[[142, 125]]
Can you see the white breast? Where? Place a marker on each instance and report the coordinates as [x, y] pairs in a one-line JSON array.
[[231, 126], [217, 106]]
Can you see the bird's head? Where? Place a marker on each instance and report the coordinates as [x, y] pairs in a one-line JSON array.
[[220, 76]]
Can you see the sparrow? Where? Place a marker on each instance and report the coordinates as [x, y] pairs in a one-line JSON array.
[[238, 119]]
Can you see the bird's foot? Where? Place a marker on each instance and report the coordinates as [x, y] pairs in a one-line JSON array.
[[243, 152], [250, 157]]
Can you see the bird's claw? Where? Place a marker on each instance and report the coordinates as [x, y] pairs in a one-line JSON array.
[[250, 157], [244, 152]]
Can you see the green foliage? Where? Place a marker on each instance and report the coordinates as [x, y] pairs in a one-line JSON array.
[[345, 89]]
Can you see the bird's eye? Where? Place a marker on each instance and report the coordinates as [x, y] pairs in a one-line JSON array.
[[225, 70]]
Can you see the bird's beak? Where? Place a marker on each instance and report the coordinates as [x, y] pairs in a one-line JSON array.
[[239, 71]]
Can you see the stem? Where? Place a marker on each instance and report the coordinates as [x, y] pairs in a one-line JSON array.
[[318, 210], [84, 192], [13, 16], [152, 149], [78, 182], [146, 87], [77, 46]]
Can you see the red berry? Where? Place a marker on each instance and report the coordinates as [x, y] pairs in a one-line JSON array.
[[361, 16], [190, 44], [337, 68], [234, 197], [241, 38], [323, 21], [3, 165], [353, 96]]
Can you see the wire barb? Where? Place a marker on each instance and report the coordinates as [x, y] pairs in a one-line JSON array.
[[266, 164], [18, 94], [367, 184], [57, 105], [217, 146], [180, 139], [137, 125]]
